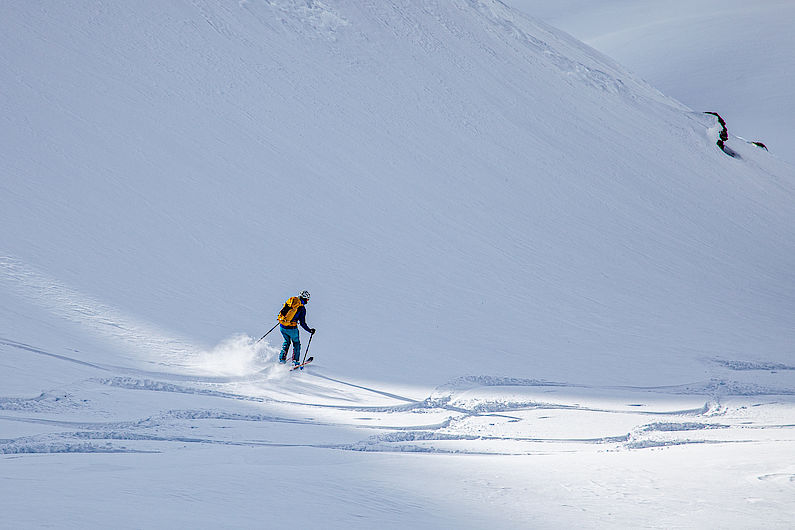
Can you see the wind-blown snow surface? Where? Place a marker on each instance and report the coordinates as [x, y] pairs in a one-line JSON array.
[[730, 56], [544, 296]]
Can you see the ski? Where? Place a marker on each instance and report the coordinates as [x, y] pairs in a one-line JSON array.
[[301, 366]]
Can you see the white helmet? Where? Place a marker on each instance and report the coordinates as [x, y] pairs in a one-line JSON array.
[[304, 295]]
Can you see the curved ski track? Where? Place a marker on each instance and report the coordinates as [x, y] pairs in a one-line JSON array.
[[469, 415]]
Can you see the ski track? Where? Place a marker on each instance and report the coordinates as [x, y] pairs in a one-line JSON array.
[[471, 415]]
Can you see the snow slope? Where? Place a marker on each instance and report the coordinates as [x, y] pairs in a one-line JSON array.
[[194, 168], [728, 56], [524, 261]]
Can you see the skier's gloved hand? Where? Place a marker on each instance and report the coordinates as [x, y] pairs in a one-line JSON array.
[[312, 331]]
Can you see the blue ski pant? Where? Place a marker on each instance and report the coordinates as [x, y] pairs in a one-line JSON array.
[[290, 336]]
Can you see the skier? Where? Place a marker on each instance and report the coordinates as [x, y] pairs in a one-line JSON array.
[[292, 314]]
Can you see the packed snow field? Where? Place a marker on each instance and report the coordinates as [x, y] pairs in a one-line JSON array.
[[544, 297], [271, 448]]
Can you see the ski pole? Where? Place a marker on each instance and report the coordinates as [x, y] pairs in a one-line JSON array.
[[265, 335], [308, 344]]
